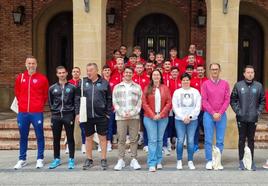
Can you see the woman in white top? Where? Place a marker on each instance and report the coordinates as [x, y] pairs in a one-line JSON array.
[[186, 103]]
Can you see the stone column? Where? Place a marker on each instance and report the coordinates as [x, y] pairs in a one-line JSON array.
[[222, 48], [89, 38]]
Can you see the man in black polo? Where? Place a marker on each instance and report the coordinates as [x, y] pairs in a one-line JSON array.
[[247, 101], [99, 105]]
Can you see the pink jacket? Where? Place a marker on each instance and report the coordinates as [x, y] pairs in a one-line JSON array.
[[215, 96]]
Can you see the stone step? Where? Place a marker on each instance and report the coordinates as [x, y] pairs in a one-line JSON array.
[[14, 145], [9, 135], [13, 134]]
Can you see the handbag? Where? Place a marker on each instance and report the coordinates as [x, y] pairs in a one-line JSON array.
[[14, 105], [83, 105]]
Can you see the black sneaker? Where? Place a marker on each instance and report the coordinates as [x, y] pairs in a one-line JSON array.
[[88, 164], [104, 164], [241, 165]]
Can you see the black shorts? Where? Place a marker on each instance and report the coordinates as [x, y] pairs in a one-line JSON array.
[[101, 125]]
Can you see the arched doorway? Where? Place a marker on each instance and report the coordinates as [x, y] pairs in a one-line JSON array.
[[250, 49], [59, 44], [156, 32]]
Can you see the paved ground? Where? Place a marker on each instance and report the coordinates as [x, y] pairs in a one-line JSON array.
[[168, 176]]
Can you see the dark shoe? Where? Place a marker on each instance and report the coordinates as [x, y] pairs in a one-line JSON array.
[[88, 164], [104, 164], [241, 165], [253, 167]]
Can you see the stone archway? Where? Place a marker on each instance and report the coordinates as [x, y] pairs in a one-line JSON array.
[[40, 23], [260, 14], [161, 7], [156, 32]]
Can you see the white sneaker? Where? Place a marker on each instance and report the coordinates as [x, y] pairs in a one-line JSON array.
[[67, 149], [159, 166], [135, 164], [220, 167], [145, 148], [191, 165], [166, 151], [20, 164], [120, 164], [152, 169], [209, 165], [109, 147], [99, 148], [83, 148], [39, 164], [179, 165]]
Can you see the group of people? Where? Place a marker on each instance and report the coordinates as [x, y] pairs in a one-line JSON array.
[[149, 102]]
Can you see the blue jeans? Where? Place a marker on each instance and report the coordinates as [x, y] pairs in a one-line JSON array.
[[188, 130], [170, 130], [24, 120], [155, 131], [209, 125], [200, 125], [111, 127]]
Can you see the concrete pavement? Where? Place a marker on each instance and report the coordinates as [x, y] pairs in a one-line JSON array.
[[168, 176]]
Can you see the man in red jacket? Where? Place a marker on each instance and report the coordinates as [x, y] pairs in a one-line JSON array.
[[137, 52], [192, 51], [117, 74], [140, 77], [76, 72], [174, 84], [149, 67], [196, 82], [132, 61], [112, 63], [31, 90], [166, 72], [175, 61]]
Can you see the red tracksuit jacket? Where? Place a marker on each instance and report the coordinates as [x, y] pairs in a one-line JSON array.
[[31, 92], [197, 82], [115, 79], [142, 79]]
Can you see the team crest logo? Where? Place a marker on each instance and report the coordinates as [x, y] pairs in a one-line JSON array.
[[143, 80], [24, 80], [98, 84], [34, 81], [242, 90], [87, 84], [68, 90], [254, 90], [55, 90]]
